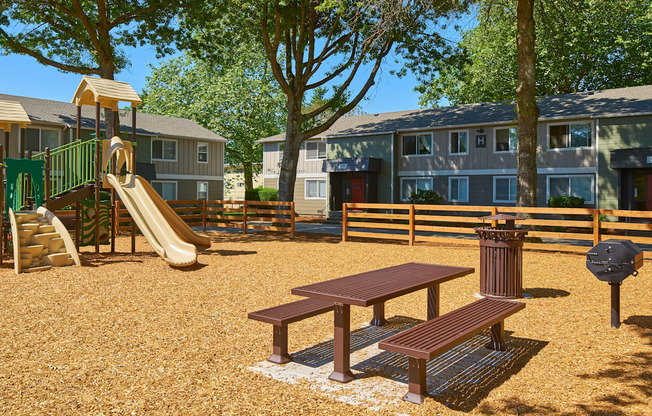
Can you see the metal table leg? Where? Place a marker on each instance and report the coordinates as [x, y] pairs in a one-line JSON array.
[[342, 345], [379, 315], [433, 301]]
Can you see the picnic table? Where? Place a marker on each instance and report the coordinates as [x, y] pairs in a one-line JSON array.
[[373, 289]]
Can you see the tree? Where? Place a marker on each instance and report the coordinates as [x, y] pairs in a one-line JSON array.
[[86, 37], [582, 45], [240, 101], [526, 106], [315, 43]]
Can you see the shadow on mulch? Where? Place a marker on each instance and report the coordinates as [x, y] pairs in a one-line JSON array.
[[643, 324], [267, 236], [98, 260], [459, 378], [544, 292], [227, 253]]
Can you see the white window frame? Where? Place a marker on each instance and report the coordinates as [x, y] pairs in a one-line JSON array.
[[200, 182], [176, 152], [414, 178], [199, 144], [592, 177], [509, 201], [450, 137], [419, 133], [176, 188], [317, 142], [509, 128], [40, 138], [570, 123], [305, 189], [450, 188]]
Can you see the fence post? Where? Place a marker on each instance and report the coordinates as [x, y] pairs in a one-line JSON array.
[[244, 217], [494, 211], [203, 214], [596, 226], [411, 222], [344, 222], [292, 220]]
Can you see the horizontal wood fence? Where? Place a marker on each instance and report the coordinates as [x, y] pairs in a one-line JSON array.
[[556, 229], [245, 215]]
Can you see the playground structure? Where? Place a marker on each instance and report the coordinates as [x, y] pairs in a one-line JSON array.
[[68, 174]]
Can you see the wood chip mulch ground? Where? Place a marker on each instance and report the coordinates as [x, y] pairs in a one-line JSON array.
[[127, 334]]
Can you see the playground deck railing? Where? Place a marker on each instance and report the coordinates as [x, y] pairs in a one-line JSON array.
[[553, 229], [244, 215], [70, 166]]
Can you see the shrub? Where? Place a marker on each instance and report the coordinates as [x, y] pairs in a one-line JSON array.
[[425, 196], [566, 202], [252, 195], [267, 194]]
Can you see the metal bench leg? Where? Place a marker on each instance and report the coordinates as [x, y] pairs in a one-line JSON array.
[[433, 301], [342, 345], [497, 337], [280, 349], [416, 380], [379, 315]]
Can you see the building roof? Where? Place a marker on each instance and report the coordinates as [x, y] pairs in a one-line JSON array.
[[107, 92], [619, 102], [59, 113], [11, 112]]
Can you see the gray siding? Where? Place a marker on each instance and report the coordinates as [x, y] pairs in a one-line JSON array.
[[272, 160], [618, 133], [186, 163], [187, 189]]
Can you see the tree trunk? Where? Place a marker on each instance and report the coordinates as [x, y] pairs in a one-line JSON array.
[[526, 106], [248, 172], [111, 118], [288, 175]]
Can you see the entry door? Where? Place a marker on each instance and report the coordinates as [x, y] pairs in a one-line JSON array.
[[357, 194]]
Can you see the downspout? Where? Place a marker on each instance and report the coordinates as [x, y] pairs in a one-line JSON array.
[[391, 180], [597, 163]]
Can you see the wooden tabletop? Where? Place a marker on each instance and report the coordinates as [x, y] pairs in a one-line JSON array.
[[376, 286]]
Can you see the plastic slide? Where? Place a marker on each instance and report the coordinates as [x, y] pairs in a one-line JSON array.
[[165, 231]]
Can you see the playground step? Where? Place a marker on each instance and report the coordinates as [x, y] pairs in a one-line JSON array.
[[31, 226], [25, 261], [23, 217], [46, 228], [44, 238], [39, 268], [55, 244], [35, 250], [59, 259]]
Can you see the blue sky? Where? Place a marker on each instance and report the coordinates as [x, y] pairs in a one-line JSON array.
[[23, 75]]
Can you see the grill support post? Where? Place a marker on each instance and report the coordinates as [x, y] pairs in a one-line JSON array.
[[615, 305]]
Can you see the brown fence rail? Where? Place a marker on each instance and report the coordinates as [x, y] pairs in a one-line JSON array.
[[555, 229], [245, 215]]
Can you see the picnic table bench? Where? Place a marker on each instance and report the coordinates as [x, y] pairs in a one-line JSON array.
[[429, 339], [282, 315]]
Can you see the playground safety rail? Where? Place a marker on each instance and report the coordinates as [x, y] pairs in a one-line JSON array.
[[573, 230]]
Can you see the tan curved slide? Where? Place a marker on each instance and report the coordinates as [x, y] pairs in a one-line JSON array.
[[161, 227]]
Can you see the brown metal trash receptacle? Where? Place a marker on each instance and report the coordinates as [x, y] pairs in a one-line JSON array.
[[501, 259]]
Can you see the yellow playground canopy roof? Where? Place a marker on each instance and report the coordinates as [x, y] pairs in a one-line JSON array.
[[107, 92], [11, 112]]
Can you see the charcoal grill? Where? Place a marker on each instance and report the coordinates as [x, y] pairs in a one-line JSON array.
[[612, 261]]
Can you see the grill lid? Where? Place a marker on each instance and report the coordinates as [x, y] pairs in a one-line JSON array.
[[614, 260]]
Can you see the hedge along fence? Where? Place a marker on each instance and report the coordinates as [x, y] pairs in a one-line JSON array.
[[246, 215], [566, 229]]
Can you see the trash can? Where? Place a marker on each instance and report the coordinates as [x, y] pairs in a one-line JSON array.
[[501, 258]]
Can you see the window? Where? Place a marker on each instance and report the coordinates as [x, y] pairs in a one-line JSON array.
[[411, 185], [167, 189], [315, 188], [315, 150], [164, 150], [506, 139], [564, 136], [458, 189], [202, 190], [37, 140], [505, 189], [417, 144], [202, 152], [576, 185], [459, 142]]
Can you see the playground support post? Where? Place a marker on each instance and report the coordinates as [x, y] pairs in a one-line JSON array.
[[114, 214], [77, 225], [133, 172], [2, 201], [78, 127], [46, 167], [21, 139], [98, 162]]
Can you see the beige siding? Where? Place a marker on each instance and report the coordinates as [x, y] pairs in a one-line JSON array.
[[236, 192], [487, 158], [305, 206], [272, 160], [187, 164]]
